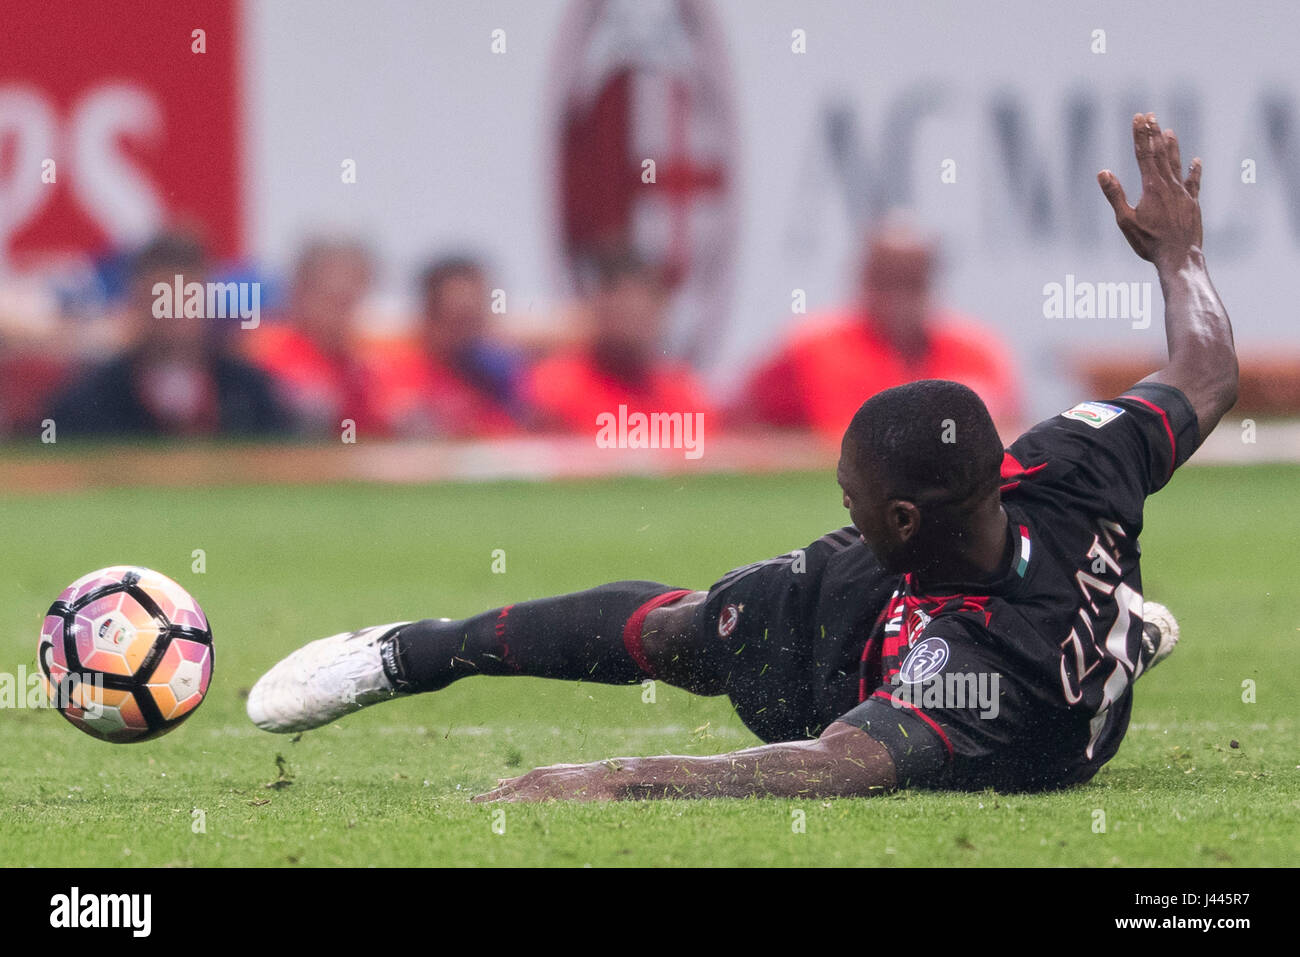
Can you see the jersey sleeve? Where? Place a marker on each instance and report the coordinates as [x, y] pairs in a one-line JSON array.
[[953, 716], [1120, 450], [920, 750]]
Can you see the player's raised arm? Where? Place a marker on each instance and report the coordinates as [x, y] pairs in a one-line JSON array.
[[1165, 229]]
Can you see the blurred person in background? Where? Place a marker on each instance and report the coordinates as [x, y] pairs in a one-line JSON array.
[[894, 334], [177, 376], [624, 362], [454, 379], [311, 352], [28, 377]]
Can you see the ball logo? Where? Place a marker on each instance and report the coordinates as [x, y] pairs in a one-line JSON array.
[[728, 620], [924, 661], [113, 631]]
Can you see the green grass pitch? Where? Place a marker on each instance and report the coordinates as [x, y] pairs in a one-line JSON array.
[[391, 786]]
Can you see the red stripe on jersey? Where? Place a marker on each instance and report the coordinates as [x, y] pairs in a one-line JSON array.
[[1011, 466], [969, 602], [868, 669], [632, 630], [893, 645], [1164, 417], [920, 714], [1013, 471], [500, 631]]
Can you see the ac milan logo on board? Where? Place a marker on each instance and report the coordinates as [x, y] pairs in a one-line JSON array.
[[647, 144]]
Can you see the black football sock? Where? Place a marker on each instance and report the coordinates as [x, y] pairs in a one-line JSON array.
[[588, 635]]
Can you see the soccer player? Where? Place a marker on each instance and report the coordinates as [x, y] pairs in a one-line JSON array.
[[980, 624]]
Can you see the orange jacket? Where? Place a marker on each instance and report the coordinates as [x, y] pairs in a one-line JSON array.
[[319, 390], [834, 363], [417, 395], [570, 391]]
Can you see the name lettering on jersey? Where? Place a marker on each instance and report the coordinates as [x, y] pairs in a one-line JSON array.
[[1100, 562], [1111, 531], [1070, 682], [1105, 595], [1103, 560]]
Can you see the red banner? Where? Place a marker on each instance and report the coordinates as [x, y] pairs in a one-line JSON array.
[[117, 119]]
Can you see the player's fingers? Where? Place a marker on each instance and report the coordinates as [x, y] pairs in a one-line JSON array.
[[1193, 181], [1114, 193], [1175, 160], [1158, 167], [1142, 147]]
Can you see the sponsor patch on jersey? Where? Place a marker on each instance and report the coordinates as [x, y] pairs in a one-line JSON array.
[[924, 661], [1095, 414]]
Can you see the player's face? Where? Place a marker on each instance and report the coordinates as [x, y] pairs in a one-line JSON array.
[[886, 525], [861, 501]]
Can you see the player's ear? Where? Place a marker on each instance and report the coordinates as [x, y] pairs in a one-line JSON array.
[[904, 519]]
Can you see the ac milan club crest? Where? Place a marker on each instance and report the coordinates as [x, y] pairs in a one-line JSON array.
[[728, 620], [647, 80]]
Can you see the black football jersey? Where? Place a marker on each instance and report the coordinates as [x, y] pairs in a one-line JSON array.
[[1026, 682]]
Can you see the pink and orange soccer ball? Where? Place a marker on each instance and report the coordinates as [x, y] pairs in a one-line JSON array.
[[125, 653]]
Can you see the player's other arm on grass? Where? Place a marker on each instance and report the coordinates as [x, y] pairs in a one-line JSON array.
[[844, 762], [1165, 229]]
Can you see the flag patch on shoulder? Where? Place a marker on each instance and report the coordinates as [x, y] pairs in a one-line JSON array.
[[1095, 414]]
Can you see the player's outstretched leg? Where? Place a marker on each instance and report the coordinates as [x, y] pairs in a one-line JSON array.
[[324, 680], [593, 635], [615, 634]]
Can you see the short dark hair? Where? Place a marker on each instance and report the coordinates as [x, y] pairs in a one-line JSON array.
[[444, 268], [169, 250], [932, 440]]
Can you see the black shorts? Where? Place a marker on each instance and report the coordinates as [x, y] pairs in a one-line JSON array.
[[790, 633]]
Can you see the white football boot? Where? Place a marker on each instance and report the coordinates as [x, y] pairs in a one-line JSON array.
[[1159, 634], [325, 680]]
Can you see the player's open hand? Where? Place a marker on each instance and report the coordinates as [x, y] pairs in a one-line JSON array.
[[561, 782], [1166, 224]]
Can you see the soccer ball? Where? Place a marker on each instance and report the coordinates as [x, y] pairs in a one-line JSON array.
[[125, 654]]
